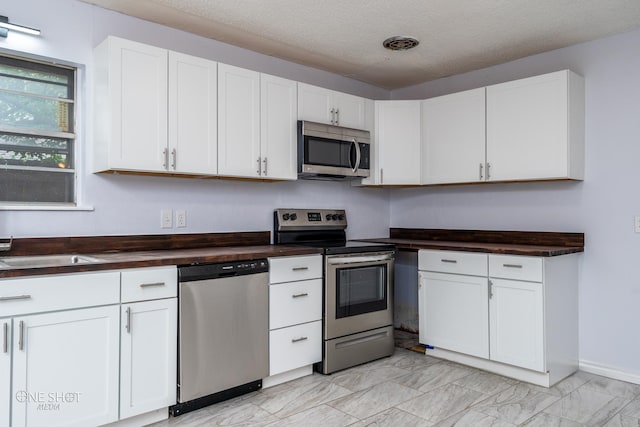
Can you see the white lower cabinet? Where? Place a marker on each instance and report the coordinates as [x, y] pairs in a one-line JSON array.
[[295, 317], [513, 315], [517, 323], [455, 312], [65, 368], [72, 355], [5, 372]]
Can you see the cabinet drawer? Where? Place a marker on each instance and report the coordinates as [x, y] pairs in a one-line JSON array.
[[58, 292], [516, 267], [453, 262], [142, 284], [289, 269], [294, 347], [293, 303]]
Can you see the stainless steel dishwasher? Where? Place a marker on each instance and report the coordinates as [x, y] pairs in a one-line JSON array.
[[223, 332]]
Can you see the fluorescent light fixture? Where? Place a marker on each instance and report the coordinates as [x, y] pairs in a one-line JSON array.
[[5, 26]]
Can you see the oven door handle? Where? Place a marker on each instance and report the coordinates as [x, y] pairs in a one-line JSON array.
[[359, 259]]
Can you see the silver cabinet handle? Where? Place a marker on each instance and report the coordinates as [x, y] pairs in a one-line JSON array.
[[259, 171], [151, 285], [512, 265], [300, 268], [299, 339], [5, 341], [16, 297], [381, 176], [481, 172], [490, 289], [488, 170], [450, 261], [337, 116], [128, 325], [333, 116], [173, 159], [21, 336], [165, 156], [264, 161], [300, 295]]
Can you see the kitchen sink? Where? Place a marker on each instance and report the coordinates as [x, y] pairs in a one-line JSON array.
[[45, 261]]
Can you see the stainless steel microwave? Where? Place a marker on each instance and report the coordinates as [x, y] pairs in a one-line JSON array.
[[332, 152]]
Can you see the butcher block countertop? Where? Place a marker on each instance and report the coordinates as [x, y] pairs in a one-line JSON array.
[[531, 243], [120, 252]]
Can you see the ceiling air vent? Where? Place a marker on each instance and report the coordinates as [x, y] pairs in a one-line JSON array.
[[400, 43]]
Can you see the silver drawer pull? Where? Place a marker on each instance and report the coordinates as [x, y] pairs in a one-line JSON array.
[[17, 297], [299, 339], [151, 285], [300, 268], [299, 295], [451, 261], [512, 265]]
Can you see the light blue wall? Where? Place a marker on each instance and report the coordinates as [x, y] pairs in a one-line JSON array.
[[131, 204], [603, 206]]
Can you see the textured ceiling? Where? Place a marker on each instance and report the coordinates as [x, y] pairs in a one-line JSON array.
[[345, 36]]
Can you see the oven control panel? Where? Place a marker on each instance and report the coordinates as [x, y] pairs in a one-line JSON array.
[[310, 219]]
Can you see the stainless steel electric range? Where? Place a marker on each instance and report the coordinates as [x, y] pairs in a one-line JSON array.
[[358, 286]]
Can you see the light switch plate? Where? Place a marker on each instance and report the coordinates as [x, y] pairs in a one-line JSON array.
[[637, 224], [166, 218]]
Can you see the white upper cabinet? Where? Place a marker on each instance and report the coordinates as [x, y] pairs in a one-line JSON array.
[[535, 128], [278, 130], [256, 124], [238, 122], [397, 142], [453, 138], [130, 106], [321, 105], [193, 135]]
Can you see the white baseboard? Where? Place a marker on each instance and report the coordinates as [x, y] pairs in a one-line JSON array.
[[609, 372]]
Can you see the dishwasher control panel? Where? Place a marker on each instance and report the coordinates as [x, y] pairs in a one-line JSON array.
[[195, 272]]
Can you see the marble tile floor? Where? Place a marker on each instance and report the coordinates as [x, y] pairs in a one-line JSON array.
[[411, 389]]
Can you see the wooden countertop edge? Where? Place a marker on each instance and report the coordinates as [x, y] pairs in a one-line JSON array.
[[142, 259], [494, 248]]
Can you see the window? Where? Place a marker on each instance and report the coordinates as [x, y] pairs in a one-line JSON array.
[[37, 164]]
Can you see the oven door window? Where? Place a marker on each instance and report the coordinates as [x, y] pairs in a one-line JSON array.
[[360, 290]]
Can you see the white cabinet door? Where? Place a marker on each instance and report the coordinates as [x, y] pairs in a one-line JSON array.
[[137, 84], [148, 352], [295, 347], [322, 105], [193, 116], [5, 372], [454, 313], [398, 141], [238, 122], [315, 104], [65, 368], [278, 136], [517, 323], [453, 138], [528, 128], [350, 110]]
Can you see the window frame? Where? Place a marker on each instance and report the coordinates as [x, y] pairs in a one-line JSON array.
[[76, 73]]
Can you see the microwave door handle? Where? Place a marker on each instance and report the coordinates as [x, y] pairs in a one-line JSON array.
[[351, 149], [358, 155]]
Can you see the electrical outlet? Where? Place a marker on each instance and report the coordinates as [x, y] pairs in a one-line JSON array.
[[166, 218], [637, 224], [181, 218]]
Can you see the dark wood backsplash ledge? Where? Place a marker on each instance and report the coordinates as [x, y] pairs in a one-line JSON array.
[[150, 242], [537, 238]]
